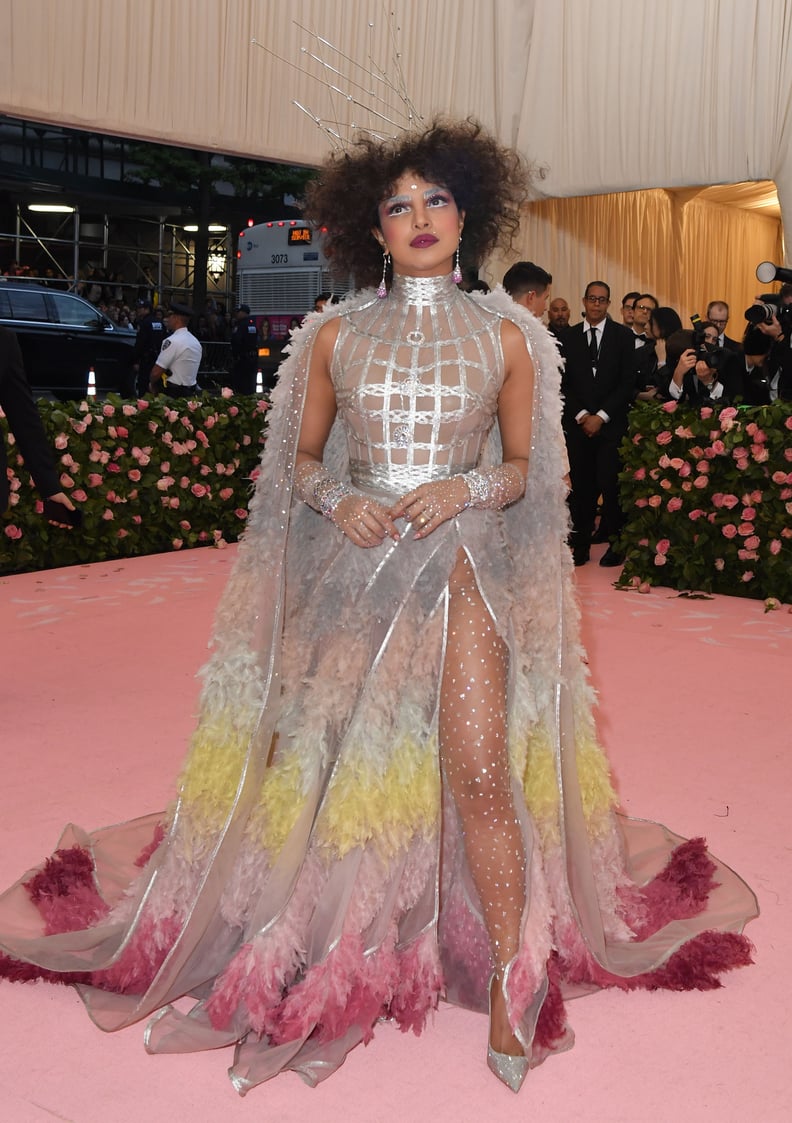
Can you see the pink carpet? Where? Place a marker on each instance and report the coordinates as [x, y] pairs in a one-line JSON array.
[[98, 698]]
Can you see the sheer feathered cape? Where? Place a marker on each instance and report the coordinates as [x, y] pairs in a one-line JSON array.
[[297, 888]]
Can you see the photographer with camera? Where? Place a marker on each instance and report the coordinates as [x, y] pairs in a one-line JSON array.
[[771, 314], [700, 373]]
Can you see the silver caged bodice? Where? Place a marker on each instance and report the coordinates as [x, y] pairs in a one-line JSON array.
[[416, 378]]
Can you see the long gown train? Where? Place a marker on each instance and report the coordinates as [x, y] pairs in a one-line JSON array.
[[311, 877]]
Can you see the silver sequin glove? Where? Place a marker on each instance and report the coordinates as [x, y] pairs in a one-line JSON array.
[[364, 521], [495, 488]]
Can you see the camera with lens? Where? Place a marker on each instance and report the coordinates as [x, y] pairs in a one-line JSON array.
[[715, 357], [770, 305]]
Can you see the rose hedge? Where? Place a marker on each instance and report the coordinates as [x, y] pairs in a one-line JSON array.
[[708, 496], [149, 476]]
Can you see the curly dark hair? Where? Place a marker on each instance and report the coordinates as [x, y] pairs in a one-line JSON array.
[[487, 180]]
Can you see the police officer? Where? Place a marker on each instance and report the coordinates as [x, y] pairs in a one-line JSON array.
[[150, 336], [175, 372], [244, 350]]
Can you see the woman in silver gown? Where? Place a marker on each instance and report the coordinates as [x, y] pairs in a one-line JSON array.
[[395, 791]]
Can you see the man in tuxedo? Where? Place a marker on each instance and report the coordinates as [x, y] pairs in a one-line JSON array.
[[718, 314], [597, 384], [25, 422]]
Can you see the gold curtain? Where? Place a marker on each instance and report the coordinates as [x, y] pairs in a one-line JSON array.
[[677, 245]]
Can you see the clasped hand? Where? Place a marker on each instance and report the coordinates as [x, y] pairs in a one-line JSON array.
[[367, 523]]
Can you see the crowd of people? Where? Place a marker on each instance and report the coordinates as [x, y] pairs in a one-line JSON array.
[[647, 356]]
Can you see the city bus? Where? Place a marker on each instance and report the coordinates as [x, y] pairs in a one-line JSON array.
[[281, 269]]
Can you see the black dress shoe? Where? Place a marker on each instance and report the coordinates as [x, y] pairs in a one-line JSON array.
[[580, 557], [610, 558]]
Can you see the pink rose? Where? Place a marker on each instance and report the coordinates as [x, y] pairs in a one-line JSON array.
[[785, 493], [718, 447], [694, 515], [665, 485], [660, 559], [94, 480], [706, 413], [749, 513], [137, 519], [12, 532], [177, 543], [205, 470], [755, 497], [775, 546], [684, 431], [199, 490], [748, 575], [674, 503], [174, 501], [752, 543], [153, 426], [121, 533], [669, 407], [184, 524], [702, 466], [128, 411], [788, 454], [226, 493], [700, 482], [729, 412], [134, 475], [122, 432], [720, 564], [786, 532], [665, 437], [717, 499], [233, 411], [663, 546], [729, 530], [730, 501], [165, 483], [685, 470], [113, 467], [760, 453], [779, 478], [107, 514], [637, 438], [226, 392], [142, 404], [241, 513], [66, 480], [676, 463], [220, 543], [639, 474], [61, 442], [744, 529], [108, 410], [209, 421], [79, 495], [654, 500]]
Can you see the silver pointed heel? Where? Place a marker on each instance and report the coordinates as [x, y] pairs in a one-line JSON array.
[[512, 1071]]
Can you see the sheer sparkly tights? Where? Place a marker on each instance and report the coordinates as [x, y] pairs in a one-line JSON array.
[[475, 760]]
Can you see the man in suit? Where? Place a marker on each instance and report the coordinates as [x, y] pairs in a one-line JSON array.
[[718, 314], [25, 422], [597, 384], [529, 285]]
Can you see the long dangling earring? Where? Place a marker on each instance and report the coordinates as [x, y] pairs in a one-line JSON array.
[[456, 276], [382, 291]]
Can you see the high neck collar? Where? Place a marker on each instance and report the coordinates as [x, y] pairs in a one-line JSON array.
[[423, 291]]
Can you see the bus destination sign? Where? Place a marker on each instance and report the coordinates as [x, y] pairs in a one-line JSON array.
[[300, 236]]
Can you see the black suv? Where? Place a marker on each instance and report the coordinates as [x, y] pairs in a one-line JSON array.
[[62, 337]]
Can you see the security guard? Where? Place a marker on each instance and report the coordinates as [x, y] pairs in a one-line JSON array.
[[244, 350], [175, 372], [150, 335]]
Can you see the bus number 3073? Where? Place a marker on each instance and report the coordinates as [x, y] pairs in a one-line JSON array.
[[279, 258]]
